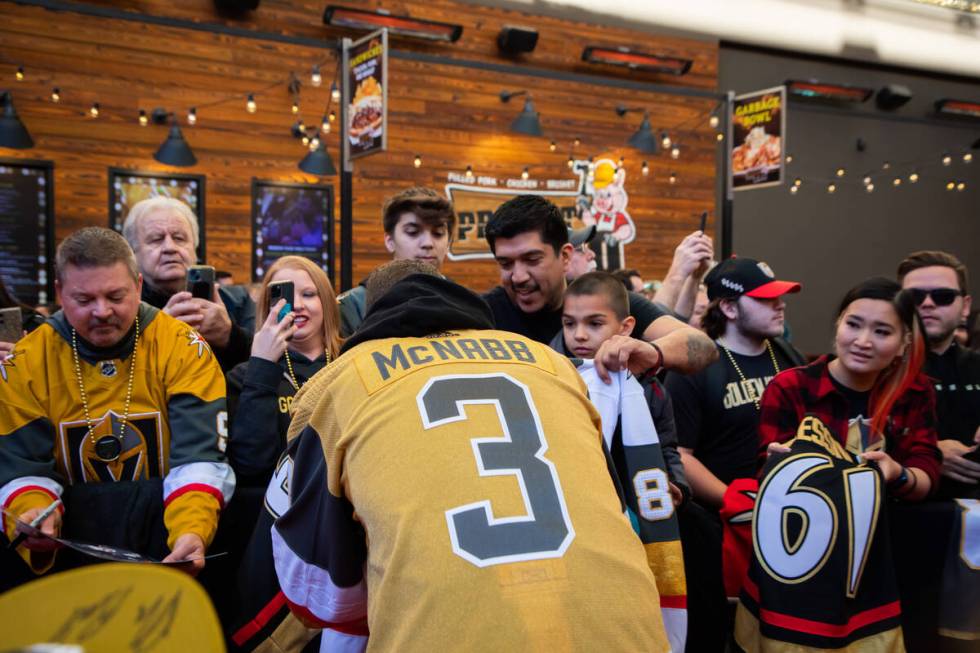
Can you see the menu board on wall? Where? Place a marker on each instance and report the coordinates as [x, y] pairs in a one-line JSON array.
[[27, 230], [366, 94], [127, 187], [291, 219], [758, 138]]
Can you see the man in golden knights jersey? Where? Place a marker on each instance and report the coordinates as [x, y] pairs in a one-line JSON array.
[[112, 390], [450, 484]]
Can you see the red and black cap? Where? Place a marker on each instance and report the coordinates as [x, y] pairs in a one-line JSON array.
[[745, 276]]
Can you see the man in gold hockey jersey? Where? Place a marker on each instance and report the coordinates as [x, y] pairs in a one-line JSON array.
[[449, 483], [112, 390]]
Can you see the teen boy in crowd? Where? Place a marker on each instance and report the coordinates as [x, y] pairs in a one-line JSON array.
[[418, 224]]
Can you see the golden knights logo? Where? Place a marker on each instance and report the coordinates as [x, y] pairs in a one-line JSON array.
[[8, 363], [194, 339], [142, 452]]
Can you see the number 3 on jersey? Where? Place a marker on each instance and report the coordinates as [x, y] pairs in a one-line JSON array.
[[545, 530]]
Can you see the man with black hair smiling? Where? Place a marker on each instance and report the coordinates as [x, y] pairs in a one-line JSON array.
[[529, 240]]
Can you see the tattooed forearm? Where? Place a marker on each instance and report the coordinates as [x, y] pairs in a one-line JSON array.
[[701, 352], [687, 350]]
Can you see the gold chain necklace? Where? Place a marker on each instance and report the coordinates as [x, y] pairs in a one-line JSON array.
[[741, 376], [292, 374], [108, 447]]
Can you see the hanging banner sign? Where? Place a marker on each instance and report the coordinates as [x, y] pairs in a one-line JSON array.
[[366, 94], [758, 138], [595, 196]]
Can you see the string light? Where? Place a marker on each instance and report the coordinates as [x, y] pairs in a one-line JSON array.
[[332, 116], [295, 107], [840, 172], [552, 146], [622, 162], [914, 177], [645, 169], [950, 185], [713, 121], [794, 190], [469, 172], [144, 121], [315, 78], [306, 139], [334, 92], [967, 158], [570, 162], [947, 159], [301, 126], [866, 181], [192, 116], [94, 110], [897, 181], [870, 188], [961, 187], [719, 137], [525, 173], [886, 165], [665, 139], [577, 142], [19, 74], [675, 152], [789, 158], [673, 178], [832, 188], [250, 105], [325, 125], [56, 94], [417, 162], [314, 143], [797, 182]]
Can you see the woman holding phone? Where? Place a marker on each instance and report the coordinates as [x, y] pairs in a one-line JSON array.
[[291, 344], [872, 395]]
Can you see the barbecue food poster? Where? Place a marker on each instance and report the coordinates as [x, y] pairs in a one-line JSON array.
[[366, 72], [758, 138]]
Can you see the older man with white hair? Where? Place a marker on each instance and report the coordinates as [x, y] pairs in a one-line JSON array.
[[164, 234]]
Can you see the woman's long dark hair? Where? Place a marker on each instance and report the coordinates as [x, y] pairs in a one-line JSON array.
[[895, 380]]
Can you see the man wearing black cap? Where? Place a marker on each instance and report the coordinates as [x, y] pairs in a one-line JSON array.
[[717, 409]]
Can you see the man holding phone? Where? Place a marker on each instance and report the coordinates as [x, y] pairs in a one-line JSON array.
[[938, 283], [163, 233]]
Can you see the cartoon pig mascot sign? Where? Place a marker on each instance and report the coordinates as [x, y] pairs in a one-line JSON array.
[[614, 226]]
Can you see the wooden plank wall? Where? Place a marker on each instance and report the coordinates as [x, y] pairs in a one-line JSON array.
[[449, 114]]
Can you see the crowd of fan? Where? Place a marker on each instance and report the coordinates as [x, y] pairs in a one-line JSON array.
[[167, 440]]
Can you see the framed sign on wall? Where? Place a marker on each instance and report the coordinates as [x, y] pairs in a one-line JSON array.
[[291, 219], [127, 187], [27, 229]]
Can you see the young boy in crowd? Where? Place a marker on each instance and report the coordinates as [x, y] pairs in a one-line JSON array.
[[638, 428]]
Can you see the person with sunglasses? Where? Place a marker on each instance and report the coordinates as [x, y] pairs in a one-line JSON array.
[[938, 283]]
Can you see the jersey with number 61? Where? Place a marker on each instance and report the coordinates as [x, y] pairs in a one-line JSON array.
[[455, 489]]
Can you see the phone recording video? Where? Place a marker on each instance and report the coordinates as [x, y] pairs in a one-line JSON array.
[[281, 290]]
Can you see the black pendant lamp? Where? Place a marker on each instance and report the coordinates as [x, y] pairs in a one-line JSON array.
[[175, 151], [527, 122], [13, 133], [643, 138], [318, 162]]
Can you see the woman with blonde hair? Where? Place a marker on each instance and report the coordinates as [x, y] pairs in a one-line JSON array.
[[285, 353]]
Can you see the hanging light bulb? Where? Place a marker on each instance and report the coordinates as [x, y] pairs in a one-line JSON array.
[[250, 105], [56, 94], [577, 142], [914, 177], [967, 158], [525, 173], [797, 182], [570, 162], [314, 143], [306, 139], [897, 181], [719, 137], [947, 159], [675, 152], [886, 165], [622, 162], [192, 116], [950, 185], [840, 172], [870, 188], [645, 169], [713, 121], [332, 116], [94, 110], [961, 187], [789, 158], [315, 78], [144, 121], [665, 139], [794, 190], [325, 125], [552, 146], [417, 162], [469, 172], [19, 74], [334, 92], [866, 181], [673, 178], [295, 107], [831, 188]]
